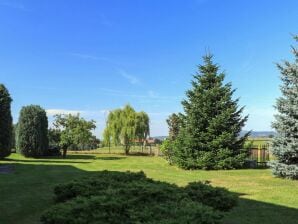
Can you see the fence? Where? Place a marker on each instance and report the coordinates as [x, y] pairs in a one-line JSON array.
[[260, 154]]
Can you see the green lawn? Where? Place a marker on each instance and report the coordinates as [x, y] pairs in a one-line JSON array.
[[28, 191]]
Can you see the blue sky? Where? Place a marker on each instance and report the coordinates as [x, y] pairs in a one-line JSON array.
[[93, 56]]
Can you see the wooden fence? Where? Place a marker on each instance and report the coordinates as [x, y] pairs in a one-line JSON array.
[[260, 154]]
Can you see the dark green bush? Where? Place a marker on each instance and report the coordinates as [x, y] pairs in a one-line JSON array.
[[53, 151], [32, 133], [215, 197], [114, 197]]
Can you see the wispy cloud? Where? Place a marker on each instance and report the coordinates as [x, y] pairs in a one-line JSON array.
[[52, 112], [13, 4], [88, 56], [150, 95], [132, 79]]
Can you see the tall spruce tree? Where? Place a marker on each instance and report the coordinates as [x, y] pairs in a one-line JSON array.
[[285, 143], [5, 122], [209, 136]]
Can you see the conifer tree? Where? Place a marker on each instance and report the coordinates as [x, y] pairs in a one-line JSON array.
[[285, 143], [209, 136], [32, 133], [5, 122]]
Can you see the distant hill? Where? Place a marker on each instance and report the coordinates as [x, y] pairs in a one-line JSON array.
[[254, 134], [259, 134], [161, 138]]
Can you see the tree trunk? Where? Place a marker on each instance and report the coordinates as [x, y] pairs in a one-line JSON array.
[[126, 149], [64, 153]]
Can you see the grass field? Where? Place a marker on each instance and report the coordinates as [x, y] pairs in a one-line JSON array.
[[27, 191]]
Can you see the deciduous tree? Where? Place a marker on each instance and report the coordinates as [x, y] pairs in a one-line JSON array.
[[75, 131], [124, 126]]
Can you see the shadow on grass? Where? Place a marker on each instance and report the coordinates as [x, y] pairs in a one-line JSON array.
[[32, 184], [110, 158], [45, 160], [138, 154], [251, 211], [78, 156]]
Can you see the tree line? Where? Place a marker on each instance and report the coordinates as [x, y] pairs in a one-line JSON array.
[[205, 136], [32, 137]]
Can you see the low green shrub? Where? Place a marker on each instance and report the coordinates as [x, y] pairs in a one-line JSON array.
[[215, 197], [115, 197]]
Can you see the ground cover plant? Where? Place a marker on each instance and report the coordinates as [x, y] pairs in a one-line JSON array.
[[116, 197]]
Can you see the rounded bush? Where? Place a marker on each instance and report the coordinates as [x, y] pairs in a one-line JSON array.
[[115, 197]]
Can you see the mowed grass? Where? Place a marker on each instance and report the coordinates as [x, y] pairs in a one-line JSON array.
[[28, 191]]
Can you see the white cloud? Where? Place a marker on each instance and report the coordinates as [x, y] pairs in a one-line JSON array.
[[158, 124], [152, 94], [52, 112], [132, 79]]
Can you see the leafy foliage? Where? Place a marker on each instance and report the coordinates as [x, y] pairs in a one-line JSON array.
[[208, 136], [32, 133], [74, 131], [175, 123], [167, 150], [114, 197], [124, 126], [142, 128], [285, 143], [5, 122]]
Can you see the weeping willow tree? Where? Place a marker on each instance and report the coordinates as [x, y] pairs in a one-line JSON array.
[[142, 127], [124, 126]]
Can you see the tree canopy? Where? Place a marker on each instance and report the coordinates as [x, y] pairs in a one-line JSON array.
[[75, 131], [125, 125]]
